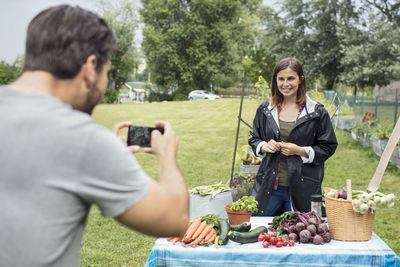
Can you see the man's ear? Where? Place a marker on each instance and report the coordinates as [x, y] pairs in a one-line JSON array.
[[89, 70]]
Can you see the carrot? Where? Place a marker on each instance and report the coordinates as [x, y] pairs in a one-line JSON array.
[[209, 229], [190, 231], [202, 235], [195, 242], [199, 230], [207, 239], [216, 241], [176, 239]]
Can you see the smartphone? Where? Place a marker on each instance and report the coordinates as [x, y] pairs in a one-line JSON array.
[[141, 135]]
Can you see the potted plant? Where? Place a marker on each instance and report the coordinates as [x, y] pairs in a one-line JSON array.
[[249, 163], [241, 185], [240, 211]]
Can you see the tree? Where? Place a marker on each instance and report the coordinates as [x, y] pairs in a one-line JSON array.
[[122, 19], [191, 44], [375, 59], [309, 30], [8, 73], [388, 9]]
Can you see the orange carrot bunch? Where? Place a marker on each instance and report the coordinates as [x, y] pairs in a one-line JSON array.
[[197, 233]]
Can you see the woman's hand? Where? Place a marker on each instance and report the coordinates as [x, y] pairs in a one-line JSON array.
[[289, 149], [271, 147], [115, 130]]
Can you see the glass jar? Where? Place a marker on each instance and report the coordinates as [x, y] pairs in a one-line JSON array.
[[316, 204]]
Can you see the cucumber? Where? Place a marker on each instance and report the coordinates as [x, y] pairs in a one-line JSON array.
[[248, 237], [224, 227], [244, 227]]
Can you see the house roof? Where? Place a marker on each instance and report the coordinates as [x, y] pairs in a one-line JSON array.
[[135, 85]]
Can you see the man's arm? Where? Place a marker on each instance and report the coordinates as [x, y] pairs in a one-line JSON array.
[[164, 210]]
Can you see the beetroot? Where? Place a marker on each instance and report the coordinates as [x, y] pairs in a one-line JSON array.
[[313, 220], [318, 240], [322, 228], [305, 236], [292, 229], [300, 226], [293, 236], [327, 237], [312, 229], [285, 236]]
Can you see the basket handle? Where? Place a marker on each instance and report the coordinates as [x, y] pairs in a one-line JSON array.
[[383, 162], [349, 190]]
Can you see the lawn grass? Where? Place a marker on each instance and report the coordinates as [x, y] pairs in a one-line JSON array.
[[206, 131]]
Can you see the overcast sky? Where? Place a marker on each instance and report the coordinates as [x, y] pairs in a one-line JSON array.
[[15, 16]]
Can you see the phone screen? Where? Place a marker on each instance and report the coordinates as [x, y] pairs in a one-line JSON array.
[[141, 135]]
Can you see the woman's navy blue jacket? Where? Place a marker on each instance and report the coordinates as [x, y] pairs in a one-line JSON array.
[[312, 130]]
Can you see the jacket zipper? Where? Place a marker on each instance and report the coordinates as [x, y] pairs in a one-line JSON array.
[[279, 163]]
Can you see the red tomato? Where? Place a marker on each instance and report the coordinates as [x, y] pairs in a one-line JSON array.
[[273, 234], [279, 239], [285, 243], [265, 244], [291, 243], [261, 237], [278, 244], [267, 236], [272, 239]]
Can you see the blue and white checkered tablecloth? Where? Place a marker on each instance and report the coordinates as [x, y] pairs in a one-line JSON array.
[[336, 253]]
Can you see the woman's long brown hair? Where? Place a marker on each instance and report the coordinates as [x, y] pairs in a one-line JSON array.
[[295, 65]]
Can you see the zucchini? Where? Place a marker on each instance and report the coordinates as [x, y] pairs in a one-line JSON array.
[[224, 227], [248, 237], [244, 227]]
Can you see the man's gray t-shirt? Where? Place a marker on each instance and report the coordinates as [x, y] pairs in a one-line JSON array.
[[54, 163]]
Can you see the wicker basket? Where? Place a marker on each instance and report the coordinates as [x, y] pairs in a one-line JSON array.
[[345, 224]]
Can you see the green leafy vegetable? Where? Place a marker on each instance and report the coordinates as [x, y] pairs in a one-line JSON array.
[[246, 202], [213, 190], [213, 220]]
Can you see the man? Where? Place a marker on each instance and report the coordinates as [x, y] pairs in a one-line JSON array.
[[56, 161]]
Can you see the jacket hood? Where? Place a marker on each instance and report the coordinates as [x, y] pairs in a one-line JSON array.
[[309, 108]]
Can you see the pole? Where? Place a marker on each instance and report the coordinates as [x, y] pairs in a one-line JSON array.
[[362, 104], [238, 125], [396, 107]]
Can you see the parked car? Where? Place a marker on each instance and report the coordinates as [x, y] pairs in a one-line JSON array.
[[201, 94]]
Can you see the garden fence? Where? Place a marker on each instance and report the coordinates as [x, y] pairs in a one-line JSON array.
[[385, 108]]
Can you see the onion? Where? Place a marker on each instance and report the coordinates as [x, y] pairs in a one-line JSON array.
[[390, 198], [371, 204], [363, 208], [364, 197], [342, 194]]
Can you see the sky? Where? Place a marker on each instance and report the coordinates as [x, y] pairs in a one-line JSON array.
[[15, 16]]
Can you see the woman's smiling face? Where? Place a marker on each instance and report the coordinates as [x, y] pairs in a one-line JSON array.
[[288, 82]]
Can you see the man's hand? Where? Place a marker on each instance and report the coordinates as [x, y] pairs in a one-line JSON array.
[[115, 130], [168, 199], [163, 145]]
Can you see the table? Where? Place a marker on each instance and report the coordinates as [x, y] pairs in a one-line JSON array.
[[336, 253]]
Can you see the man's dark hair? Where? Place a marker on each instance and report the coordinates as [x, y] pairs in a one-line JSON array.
[[61, 38]]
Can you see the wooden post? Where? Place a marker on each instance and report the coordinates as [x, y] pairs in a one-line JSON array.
[[238, 125]]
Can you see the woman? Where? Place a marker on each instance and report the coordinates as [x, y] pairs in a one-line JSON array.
[[294, 135]]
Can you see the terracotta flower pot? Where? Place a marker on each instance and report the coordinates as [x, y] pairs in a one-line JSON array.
[[237, 217]]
